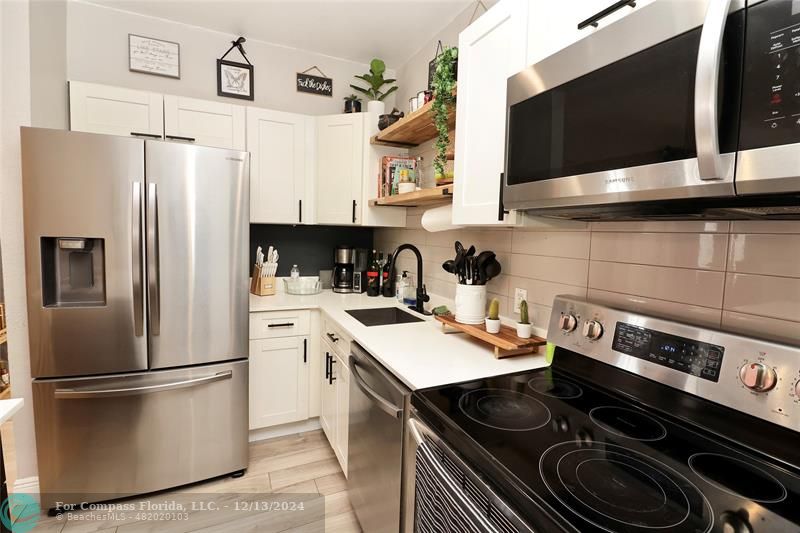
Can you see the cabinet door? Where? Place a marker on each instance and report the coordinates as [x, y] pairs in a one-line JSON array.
[[490, 50], [339, 168], [278, 158], [278, 381], [327, 416], [203, 122], [342, 411], [97, 108]]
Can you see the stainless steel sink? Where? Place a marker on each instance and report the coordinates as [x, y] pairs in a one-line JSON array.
[[382, 316]]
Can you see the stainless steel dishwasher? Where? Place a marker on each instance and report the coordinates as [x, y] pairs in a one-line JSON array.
[[378, 403]]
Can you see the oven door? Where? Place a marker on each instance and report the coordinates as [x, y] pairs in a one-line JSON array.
[[644, 109]]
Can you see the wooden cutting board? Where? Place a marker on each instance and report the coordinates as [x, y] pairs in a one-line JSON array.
[[505, 344]]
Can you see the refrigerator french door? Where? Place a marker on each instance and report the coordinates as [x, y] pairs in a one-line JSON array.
[[136, 259]]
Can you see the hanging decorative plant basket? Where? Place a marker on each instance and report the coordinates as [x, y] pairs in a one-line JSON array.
[[444, 82]]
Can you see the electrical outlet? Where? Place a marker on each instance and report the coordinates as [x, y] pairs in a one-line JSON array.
[[519, 295]]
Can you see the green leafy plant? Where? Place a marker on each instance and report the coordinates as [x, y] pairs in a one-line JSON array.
[[376, 81], [352, 98], [494, 309], [444, 82], [523, 312]]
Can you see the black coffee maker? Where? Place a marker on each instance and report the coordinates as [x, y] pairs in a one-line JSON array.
[[343, 269]]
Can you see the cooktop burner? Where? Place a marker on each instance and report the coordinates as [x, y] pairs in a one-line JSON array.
[[628, 423], [620, 489], [556, 387], [738, 477], [504, 409]]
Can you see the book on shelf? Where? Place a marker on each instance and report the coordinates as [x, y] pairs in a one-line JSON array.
[[393, 168]]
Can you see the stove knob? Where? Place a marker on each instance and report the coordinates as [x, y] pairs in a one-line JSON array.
[[567, 323], [758, 377], [592, 330]]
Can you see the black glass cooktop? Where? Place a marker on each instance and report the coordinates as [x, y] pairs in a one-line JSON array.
[[573, 456]]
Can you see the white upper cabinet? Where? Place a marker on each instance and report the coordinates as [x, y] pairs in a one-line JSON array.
[[551, 27], [340, 149], [95, 108], [490, 50], [280, 166], [204, 122]]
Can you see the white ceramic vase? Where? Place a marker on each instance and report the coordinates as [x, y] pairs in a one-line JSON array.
[[493, 325], [470, 303], [376, 106], [523, 330]]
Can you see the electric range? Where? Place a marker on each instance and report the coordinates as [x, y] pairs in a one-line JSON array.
[[640, 424]]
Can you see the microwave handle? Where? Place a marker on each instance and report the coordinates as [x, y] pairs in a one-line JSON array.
[[706, 91]]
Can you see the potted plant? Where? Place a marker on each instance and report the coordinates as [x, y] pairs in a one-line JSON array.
[[352, 104], [444, 83], [493, 320], [524, 325], [376, 82]]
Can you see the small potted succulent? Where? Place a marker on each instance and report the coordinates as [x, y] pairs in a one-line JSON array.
[[524, 325], [493, 320], [352, 104], [376, 91]]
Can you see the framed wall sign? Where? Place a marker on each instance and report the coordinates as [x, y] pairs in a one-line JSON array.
[[308, 83], [235, 79], [154, 56]]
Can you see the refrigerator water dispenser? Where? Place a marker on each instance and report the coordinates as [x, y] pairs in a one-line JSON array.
[[73, 272]]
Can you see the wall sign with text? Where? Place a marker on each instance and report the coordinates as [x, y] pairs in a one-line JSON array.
[[154, 56], [308, 83]]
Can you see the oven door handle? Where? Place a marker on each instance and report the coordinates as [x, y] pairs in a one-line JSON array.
[[420, 432], [706, 91]]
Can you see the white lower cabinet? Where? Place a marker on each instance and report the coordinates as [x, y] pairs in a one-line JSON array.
[[279, 381], [335, 397]]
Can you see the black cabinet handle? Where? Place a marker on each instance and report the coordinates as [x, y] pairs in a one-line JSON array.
[[300, 210], [332, 337], [331, 377], [305, 350], [281, 325], [327, 365], [616, 6], [354, 211], [179, 138], [148, 135]]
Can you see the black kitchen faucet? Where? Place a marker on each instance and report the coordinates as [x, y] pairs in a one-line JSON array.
[[422, 294]]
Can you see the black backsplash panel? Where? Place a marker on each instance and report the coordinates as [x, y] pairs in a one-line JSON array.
[[309, 247]]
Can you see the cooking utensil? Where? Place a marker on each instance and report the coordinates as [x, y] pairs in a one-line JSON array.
[[471, 251], [493, 269], [483, 259], [449, 266]]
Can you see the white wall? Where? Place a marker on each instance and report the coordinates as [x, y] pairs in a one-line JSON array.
[[15, 111], [97, 51]]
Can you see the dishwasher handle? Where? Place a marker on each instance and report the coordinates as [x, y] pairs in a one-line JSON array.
[[383, 404]]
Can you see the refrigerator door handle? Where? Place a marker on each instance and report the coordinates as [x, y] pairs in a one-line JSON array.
[[71, 394], [136, 258], [153, 282]]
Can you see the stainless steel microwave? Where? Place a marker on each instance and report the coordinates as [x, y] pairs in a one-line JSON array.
[[681, 109]]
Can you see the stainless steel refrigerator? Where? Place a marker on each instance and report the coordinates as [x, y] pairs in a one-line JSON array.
[[136, 259]]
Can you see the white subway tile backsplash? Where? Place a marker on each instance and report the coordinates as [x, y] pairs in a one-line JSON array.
[[695, 287], [768, 254], [666, 226], [694, 314], [558, 269], [758, 326], [765, 226], [574, 244], [686, 250], [543, 292], [767, 296]]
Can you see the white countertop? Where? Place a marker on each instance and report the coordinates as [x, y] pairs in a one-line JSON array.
[[9, 407], [419, 354]]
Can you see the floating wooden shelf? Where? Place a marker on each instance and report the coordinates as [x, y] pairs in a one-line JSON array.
[[2, 336], [413, 129], [435, 195], [506, 343]]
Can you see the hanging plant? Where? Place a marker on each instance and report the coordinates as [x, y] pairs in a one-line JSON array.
[[444, 82]]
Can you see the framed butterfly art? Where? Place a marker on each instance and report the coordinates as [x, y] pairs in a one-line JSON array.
[[235, 79]]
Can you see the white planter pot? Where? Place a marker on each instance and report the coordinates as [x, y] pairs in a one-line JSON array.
[[470, 303], [376, 106], [492, 326], [406, 187], [524, 331]]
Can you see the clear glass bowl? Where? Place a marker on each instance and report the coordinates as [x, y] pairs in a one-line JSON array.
[[303, 285]]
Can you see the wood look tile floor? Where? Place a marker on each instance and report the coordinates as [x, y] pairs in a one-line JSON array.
[[296, 466]]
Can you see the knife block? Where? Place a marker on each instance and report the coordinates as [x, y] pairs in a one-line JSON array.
[[262, 286]]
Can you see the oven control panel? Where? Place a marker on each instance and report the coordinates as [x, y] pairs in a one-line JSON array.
[[753, 376], [692, 357]]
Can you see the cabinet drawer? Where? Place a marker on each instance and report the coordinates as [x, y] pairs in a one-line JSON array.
[[336, 337], [274, 324]]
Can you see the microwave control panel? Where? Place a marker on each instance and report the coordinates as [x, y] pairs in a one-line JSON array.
[[771, 87]]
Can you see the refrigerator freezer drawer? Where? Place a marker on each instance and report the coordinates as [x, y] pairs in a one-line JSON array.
[[113, 436]]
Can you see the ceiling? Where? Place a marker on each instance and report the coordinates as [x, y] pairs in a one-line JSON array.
[[356, 30]]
